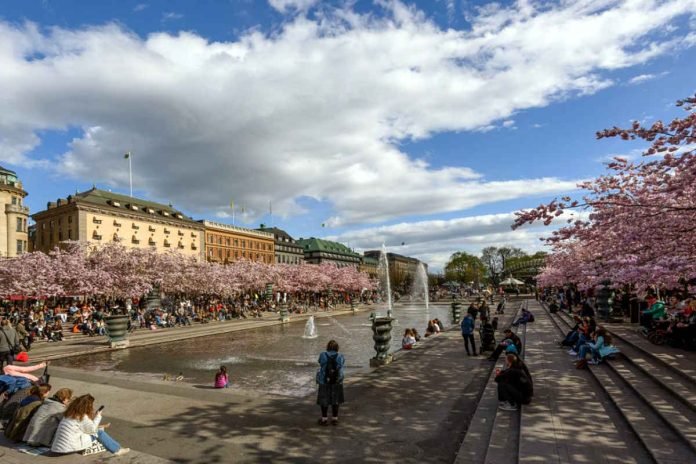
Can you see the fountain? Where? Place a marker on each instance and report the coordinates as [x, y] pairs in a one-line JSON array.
[[383, 274], [310, 330], [420, 284]]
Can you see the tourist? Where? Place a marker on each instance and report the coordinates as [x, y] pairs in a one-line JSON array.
[[409, 340], [509, 337], [222, 380], [654, 312], [416, 335], [599, 349], [9, 342], [15, 429], [23, 371], [45, 421], [487, 335], [467, 327], [430, 330], [514, 384], [525, 317], [439, 327], [80, 428], [330, 379]]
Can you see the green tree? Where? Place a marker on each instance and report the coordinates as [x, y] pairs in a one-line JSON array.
[[496, 259], [465, 268]]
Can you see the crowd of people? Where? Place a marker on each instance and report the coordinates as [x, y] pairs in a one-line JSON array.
[[670, 319], [60, 421]]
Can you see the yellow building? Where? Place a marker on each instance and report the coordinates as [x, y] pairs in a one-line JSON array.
[[13, 215], [225, 243], [97, 216]]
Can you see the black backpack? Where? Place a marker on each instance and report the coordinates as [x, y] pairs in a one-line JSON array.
[[332, 372]]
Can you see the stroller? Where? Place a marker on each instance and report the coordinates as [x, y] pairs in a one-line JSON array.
[[487, 335]]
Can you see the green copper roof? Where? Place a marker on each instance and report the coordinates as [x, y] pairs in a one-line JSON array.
[[7, 171], [317, 244]]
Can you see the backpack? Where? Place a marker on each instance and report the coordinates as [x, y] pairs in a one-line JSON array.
[[531, 317], [332, 372]]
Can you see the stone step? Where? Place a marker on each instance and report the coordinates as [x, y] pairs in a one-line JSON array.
[[570, 419], [662, 442]]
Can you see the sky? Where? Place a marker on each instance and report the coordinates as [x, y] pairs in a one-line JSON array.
[[423, 125]]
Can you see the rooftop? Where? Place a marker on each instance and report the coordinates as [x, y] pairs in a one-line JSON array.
[[317, 244]]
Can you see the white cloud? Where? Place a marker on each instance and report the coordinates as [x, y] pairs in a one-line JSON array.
[[317, 109], [171, 16], [645, 78], [434, 241], [140, 7], [285, 6]]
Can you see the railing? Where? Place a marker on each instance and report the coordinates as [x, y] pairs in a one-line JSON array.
[[16, 209]]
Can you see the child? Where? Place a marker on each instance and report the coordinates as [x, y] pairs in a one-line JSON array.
[[409, 340], [221, 378]]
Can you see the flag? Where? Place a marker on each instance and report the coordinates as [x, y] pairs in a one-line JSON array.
[[232, 204], [127, 155]]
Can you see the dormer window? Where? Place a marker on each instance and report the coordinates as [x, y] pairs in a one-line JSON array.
[[151, 211], [134, 208], [180, 216], [115, 203], [165, 213]]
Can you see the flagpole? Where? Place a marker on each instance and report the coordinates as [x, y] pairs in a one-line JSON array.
[[233, 213], [130, 173]]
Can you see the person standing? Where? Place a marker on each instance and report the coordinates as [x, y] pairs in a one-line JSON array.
[[467, 326], [9, 342], [330, 379]]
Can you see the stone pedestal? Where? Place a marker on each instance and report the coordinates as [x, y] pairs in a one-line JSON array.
[[456, 312], [284, 315], [381, 334], [117, 330]]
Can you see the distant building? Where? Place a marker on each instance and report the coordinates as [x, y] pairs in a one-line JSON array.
[[398, 264], [225, 243], [369, 265], [14, 239], [287, 250], [97, 216], [317, 251]]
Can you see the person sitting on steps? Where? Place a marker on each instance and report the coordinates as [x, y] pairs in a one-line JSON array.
[[509, 337], [514, 384]]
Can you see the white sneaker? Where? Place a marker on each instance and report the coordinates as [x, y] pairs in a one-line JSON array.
[[122, 451], [505, 406]]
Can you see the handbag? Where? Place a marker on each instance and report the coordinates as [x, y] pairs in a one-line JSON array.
[[14, 349], [45, 377]]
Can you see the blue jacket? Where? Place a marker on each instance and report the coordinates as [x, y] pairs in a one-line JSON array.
[[467, 325], [11, 384], [602, 349], [323, 365]]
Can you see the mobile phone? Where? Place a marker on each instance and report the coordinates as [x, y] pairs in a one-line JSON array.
[[100, 408]]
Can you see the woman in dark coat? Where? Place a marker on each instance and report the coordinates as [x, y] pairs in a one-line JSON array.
[[330, 380], [514, 384]]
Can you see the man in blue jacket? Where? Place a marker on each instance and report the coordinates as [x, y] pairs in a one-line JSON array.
[[468, 334]]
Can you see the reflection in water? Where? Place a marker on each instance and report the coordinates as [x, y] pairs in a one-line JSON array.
[[273, 359]]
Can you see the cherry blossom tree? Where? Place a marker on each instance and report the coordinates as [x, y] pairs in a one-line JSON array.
[[642, 214]]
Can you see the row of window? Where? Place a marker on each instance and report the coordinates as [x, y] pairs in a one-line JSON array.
[[220, 254], [136, 241], [285, 259], [227, 241], [51, 224], [21, 246], [21, 225], [150, 228], [17, 201]]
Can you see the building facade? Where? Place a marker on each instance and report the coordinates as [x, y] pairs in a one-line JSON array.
[[399, 264], [287, 251], [317, 251], [97, 216], [369, 265], [14, 238], [225, 243]]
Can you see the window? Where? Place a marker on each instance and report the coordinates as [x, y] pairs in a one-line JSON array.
[[151, 229], [243, 243], [14, 200], [116, 223], [69, 219], [60, 235], [219, 240], [135, 226], [69, 234], [166, 243], [19, 224], [236, 242], [220, 253], [135, 240], [96, 236], [96, 221], [243, 254], [19, 247]]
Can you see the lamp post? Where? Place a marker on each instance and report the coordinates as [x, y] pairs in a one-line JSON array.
[[605, 300]]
